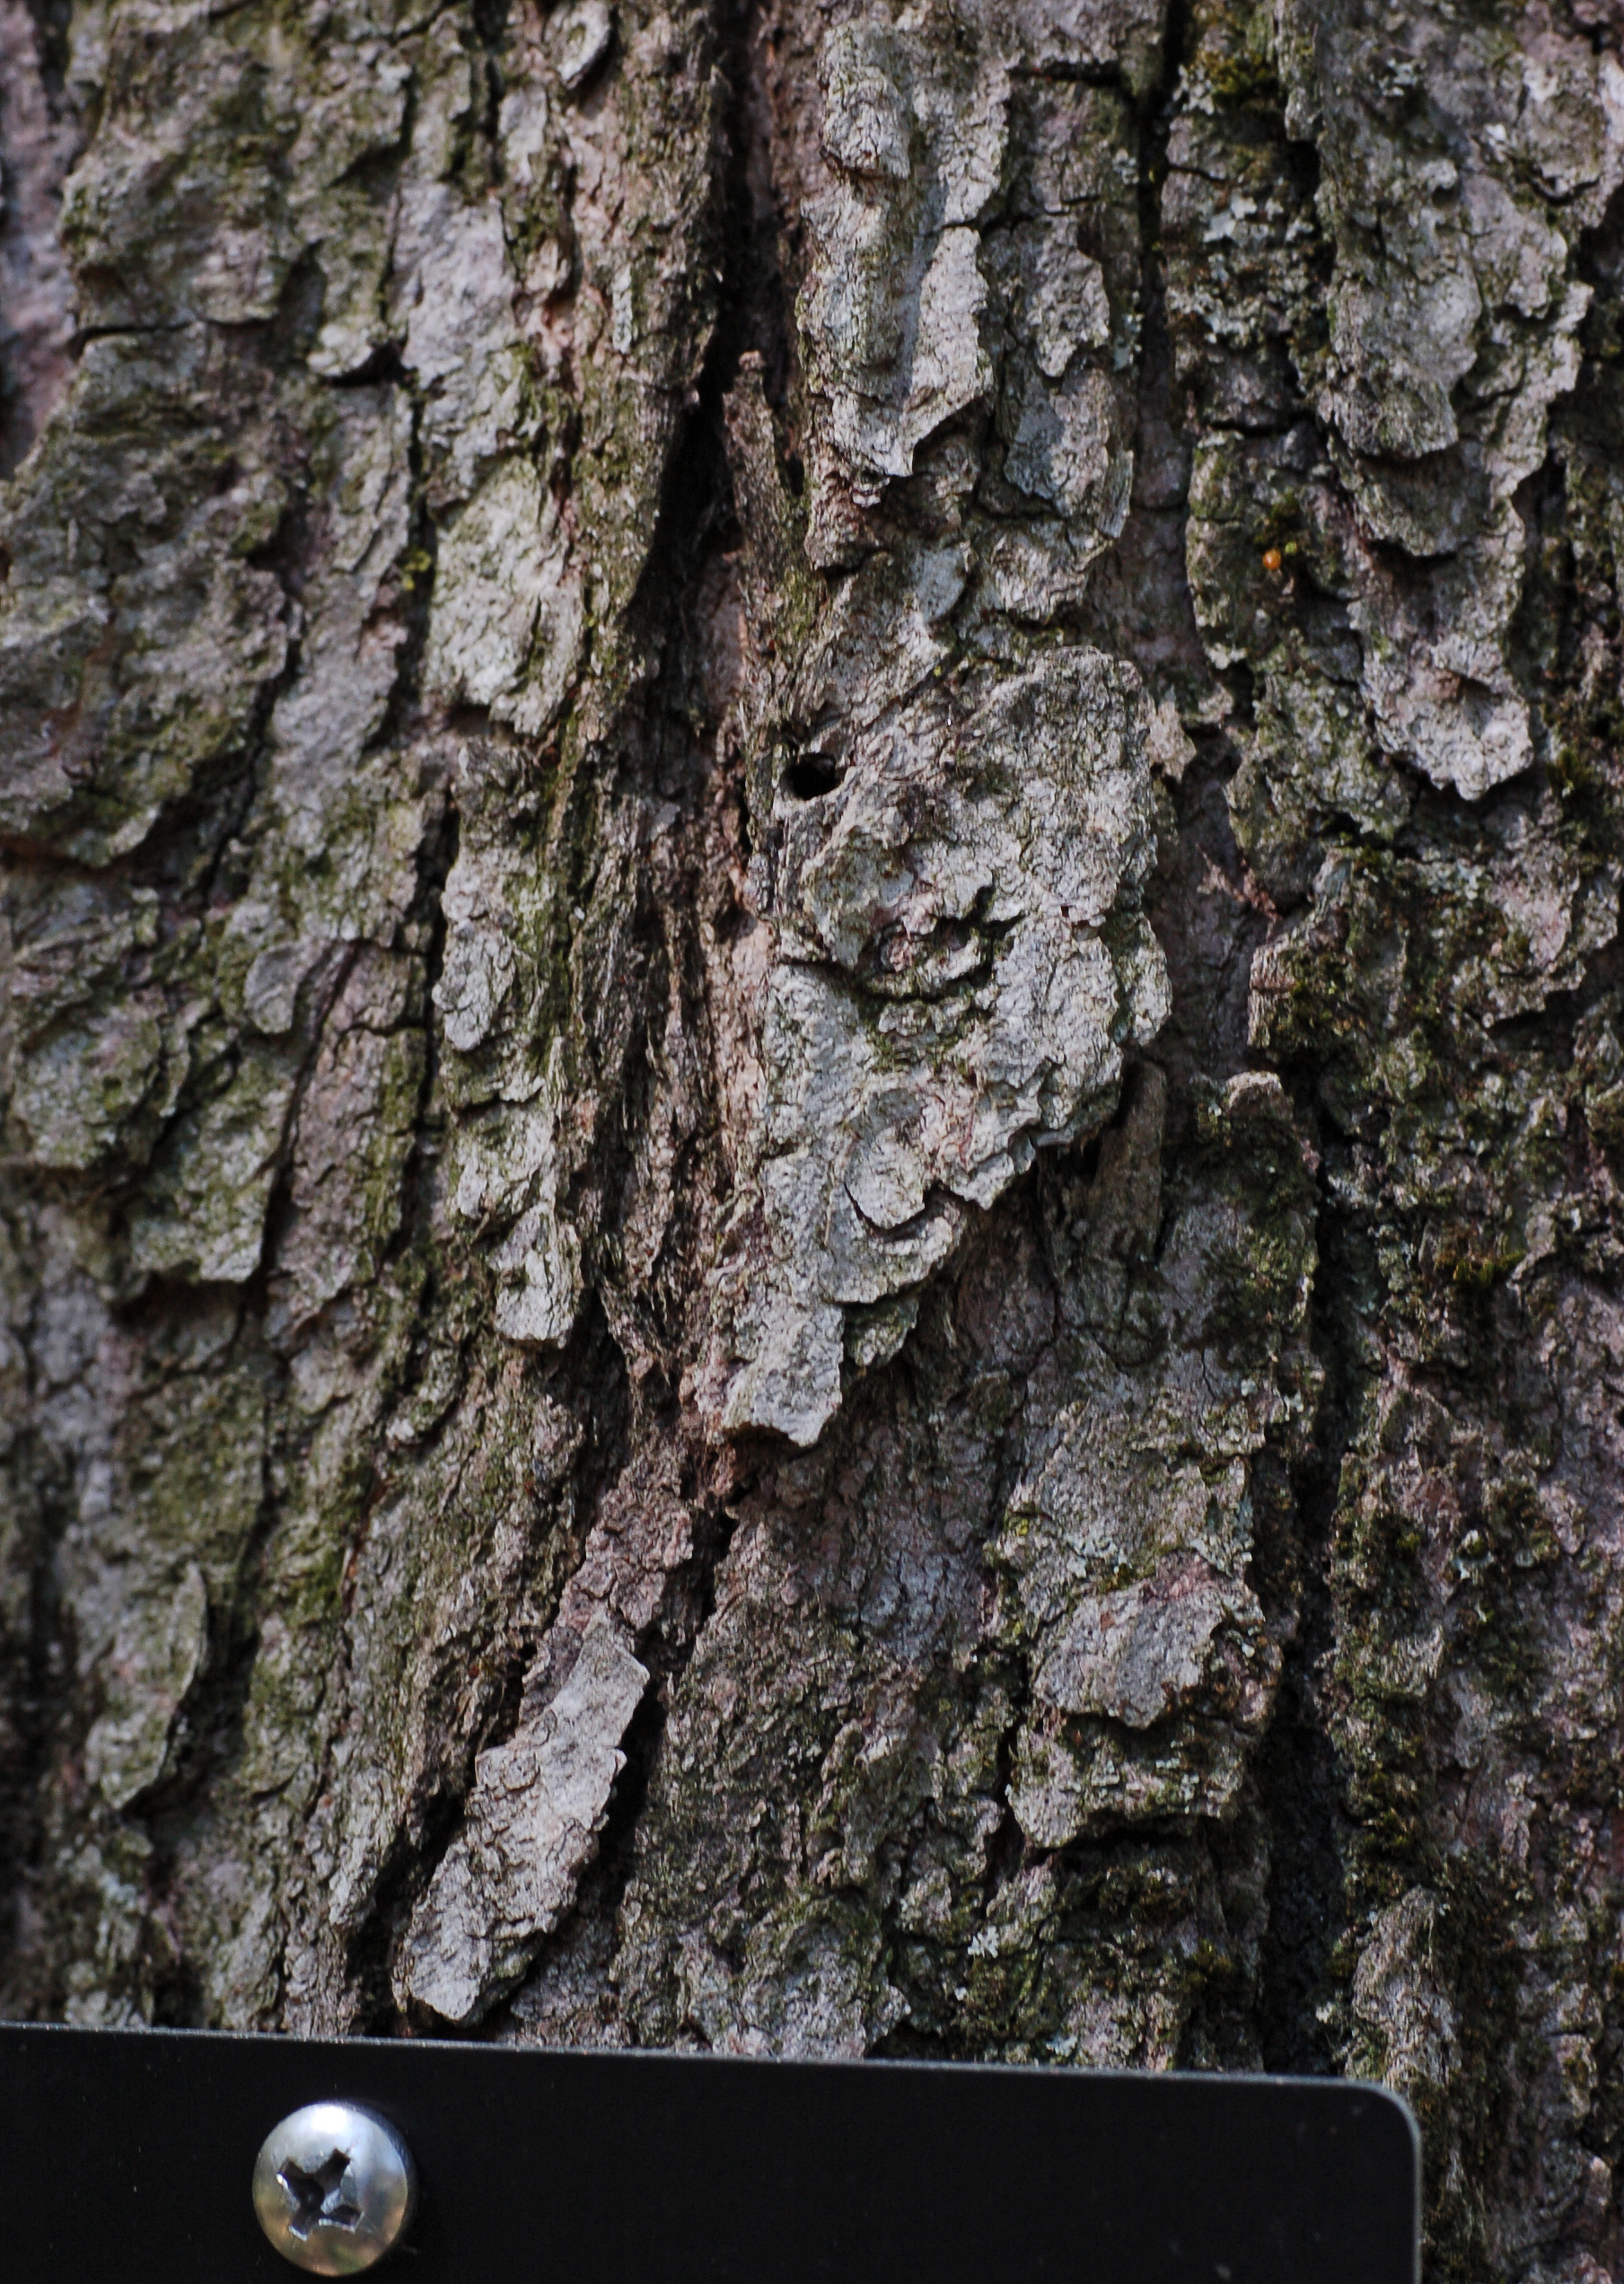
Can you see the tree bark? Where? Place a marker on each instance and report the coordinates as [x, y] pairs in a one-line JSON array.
[[813, 1051]]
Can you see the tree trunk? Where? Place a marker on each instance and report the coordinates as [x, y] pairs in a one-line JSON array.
[[813, 1043]]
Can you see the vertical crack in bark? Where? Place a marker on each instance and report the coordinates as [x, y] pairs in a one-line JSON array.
[[632, 1608]]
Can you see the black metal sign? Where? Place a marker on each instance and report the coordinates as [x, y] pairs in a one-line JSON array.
[[138, 2156]]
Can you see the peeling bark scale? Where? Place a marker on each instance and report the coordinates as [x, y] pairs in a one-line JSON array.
[[813, 1046]]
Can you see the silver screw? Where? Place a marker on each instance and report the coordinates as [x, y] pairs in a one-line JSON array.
[[334, 2187]]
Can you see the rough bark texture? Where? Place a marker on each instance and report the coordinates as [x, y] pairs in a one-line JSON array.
[[813, 1062]]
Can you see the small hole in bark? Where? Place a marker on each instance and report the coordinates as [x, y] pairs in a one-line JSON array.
[[811, 775]]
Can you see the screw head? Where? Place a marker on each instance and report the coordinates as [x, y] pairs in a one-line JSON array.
[[334, 2187]]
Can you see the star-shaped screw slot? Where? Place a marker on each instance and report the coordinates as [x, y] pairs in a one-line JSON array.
[[317, 2197]]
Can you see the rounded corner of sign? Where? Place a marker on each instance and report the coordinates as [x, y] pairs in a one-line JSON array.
[[1398, 2108], [1391, 2099]]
